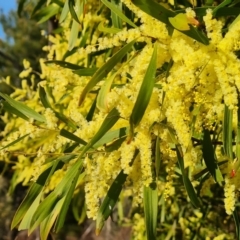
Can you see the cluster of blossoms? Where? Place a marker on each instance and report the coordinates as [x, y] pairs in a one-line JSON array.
[[191, 97]]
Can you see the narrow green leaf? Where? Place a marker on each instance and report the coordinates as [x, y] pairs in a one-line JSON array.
[[25, 205], [162, 14], [7, 107], [154, 9], [75, 24], [228, 11], [209, 158], [236, 20], [145, 91], [222, 12], [227, 132], [38, 6], [31, 201], [111, 136], [14, 142], [116, 10], [150, 202], [205, 170], [58, 2], [60, 192], [105, 69], [44, 209], [79, 206], [60, 116], [197, 34], [20, 7], [116, 144], [116, 20], [46, 13], [25, 223], [44, 98], [85, 71], [111, 30], [69, 180], [63, 212], [71, 4], [27, 111], [47, 223], [72, 137], [187, 183], [64, 13], [110, 200], [237, 222], [66, 120], [221, 5], [90, 114], [107, 124], [102, 95], [73, 35], [64, 64]]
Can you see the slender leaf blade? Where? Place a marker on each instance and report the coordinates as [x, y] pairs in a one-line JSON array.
[[237, 222], [104, 29], [45, 13], [110, 200], [71, 4], [64, 64], [27, 111], [15, 141], [85, 71], [227, 132], [25, 223], [102, 95], [25, 205], [20, 7], [209, 158], [44, 98], [67, 200], [116, 10], [105, 69], [47, 223], [187, 183], [38, 6], [107, 124], [154, 9], [150, 202], [71, 136], [145, 91], [7, 107], [64, 13], [221, 5]]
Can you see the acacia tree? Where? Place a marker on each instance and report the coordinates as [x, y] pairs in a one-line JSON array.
[[139, 101]]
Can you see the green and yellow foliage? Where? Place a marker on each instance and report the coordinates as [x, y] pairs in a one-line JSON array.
[[138, 100]]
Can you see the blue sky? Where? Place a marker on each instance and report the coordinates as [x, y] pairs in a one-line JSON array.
[[6, 6]]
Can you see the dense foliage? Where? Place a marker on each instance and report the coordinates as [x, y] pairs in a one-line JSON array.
[[22, 40], [139, 100]]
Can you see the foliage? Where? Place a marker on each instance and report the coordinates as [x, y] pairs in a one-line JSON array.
[[23, 40], [139, 100]]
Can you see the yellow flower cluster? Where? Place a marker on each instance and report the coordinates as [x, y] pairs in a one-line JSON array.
[[230, 199], [138, 232], [189, 98]]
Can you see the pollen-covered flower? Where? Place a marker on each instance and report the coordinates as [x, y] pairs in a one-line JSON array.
[[230, 198]]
